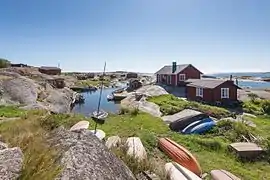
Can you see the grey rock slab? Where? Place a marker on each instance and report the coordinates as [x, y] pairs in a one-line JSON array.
[[85, 157], [113, 141], [80, 125], [152, 90], [11, 162], [136, 148], [179, 115], [3, 145], [21, 89]]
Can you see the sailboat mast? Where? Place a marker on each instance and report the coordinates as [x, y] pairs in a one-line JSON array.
[[101, 89], [100, 94]]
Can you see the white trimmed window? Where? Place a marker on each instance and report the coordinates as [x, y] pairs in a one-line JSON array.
[[225, 93], [182, 77], [199, 92]]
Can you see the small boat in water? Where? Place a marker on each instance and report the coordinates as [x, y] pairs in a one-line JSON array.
[[110, 97], [101, 115]]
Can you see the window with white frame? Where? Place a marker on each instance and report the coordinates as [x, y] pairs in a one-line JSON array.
[[182, 77], [225, 93], [199, 92]]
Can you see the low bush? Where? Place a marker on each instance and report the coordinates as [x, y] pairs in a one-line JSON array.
[[232, 131], [257, 106], [266, 106], [4, 63]]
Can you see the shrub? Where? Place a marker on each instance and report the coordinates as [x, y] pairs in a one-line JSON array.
[[266, 106], [4, 63], [252, 107], [233, 131]]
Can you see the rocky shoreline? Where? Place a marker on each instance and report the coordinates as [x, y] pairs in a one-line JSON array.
[[33, 93]]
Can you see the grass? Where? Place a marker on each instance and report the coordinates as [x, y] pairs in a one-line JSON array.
[[39, 158], [210, 149], [170, 104], [30, 133], [10, 111]]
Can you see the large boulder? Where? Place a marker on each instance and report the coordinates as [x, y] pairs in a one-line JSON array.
[[11, 161], [152, 90], [86, 157], [20, 89], [142, 104], [59, 100]]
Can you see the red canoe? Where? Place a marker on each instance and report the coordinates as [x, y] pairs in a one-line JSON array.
[[180, 155]]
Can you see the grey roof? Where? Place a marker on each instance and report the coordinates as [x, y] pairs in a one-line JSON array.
[[206, 83], [168, 69]]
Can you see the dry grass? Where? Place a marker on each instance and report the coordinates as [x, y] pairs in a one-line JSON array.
[[40, 160]]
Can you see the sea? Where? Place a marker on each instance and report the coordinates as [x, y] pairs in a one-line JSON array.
[[239, 74], [254, 84]]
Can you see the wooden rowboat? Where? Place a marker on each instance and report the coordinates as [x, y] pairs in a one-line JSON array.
[[180, 155]]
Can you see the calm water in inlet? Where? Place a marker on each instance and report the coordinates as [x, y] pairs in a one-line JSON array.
[[248, 83], [91, 102], [254, 84]]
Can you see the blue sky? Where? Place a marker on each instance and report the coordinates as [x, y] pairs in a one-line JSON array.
[[137, 35]]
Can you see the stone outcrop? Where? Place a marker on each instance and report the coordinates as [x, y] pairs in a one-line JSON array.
[[86, 157], [11, 162], [142, 104], [34, 93], [21, 90]]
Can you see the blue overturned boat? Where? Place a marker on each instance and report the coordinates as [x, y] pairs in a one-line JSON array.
[[199, 127]]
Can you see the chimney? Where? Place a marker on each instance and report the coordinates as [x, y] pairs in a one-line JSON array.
[[173, 67]]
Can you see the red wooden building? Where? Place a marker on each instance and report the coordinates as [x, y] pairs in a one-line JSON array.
[[176, 75], [211, 90]]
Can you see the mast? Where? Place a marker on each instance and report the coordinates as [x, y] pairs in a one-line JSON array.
[[101, 89]]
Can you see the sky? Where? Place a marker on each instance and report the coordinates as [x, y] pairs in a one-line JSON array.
[[137, 35]]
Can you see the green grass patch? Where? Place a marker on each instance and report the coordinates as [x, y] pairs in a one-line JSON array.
[[210, 149], [169, 104], [11, 111]]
